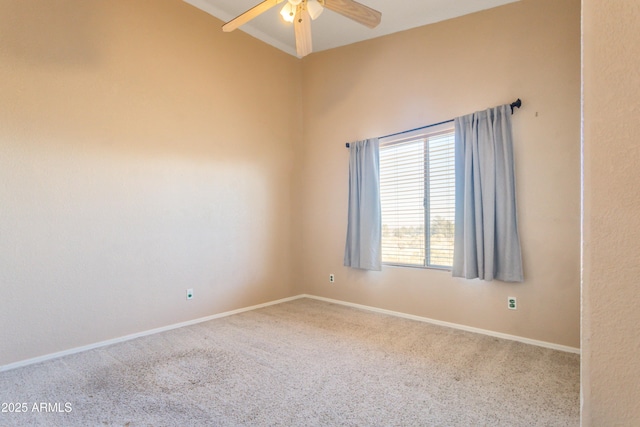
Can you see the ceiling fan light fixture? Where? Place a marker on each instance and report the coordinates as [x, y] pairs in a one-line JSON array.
[[314, 8], [288, 12]]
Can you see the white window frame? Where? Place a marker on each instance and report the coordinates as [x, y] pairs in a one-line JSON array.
[[424, 135]]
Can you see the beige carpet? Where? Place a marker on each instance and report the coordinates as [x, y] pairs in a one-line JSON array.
[[301, 363]]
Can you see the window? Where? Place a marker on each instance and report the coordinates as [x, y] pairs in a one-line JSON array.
[[417, 192]]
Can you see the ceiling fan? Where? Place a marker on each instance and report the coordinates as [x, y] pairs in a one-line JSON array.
[[302, 12]]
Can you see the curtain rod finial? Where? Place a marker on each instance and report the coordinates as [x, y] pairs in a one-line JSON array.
[[516, 104]]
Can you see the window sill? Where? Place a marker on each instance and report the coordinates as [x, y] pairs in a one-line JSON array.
[[421, 267]]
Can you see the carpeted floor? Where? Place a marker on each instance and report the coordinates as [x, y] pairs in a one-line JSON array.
[[301, 363]]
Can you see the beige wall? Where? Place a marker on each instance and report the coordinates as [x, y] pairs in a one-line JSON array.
[[529, 49], [128, 172], [611, 295], [142, 152]]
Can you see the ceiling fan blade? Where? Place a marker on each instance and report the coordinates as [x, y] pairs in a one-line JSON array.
[[356, 11], [302, 25], [249, 15]]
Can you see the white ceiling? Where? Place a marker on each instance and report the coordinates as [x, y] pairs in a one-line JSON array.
[[333, 30]]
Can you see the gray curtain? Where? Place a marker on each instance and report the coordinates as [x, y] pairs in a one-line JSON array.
[[487, 245], [364, 229]]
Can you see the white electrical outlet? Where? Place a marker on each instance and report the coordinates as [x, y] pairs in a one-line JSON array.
[[189, 293], [332, 278], [512, 303]]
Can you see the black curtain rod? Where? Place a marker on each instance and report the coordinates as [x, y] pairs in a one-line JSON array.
[[515, 104]]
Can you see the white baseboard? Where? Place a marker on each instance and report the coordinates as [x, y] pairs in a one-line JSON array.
[[59, 354], [538, 343]]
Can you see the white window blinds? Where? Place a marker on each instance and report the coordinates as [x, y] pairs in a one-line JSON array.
[[417, 192]]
